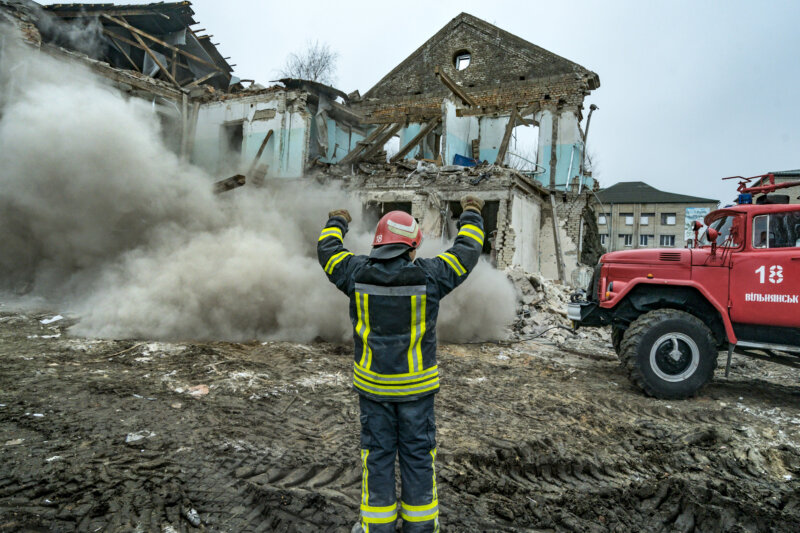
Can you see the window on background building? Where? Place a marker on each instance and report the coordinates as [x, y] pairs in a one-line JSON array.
[[628, 218], [645, 240], [668, 219], [603, 238], [667, 240], [626, 238], [645, 218], [602, 218]]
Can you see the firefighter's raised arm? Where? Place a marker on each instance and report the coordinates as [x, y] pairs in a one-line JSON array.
[[333, 256], [454, 265]]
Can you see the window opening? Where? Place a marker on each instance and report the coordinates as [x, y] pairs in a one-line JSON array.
[[667, 240], [462, 60]]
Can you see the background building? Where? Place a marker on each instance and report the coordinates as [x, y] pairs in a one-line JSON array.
[[633, 214]]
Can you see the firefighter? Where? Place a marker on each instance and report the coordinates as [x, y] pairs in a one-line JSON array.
[[394, 303]]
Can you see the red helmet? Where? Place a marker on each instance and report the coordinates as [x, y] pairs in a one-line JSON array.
[[397, 227]]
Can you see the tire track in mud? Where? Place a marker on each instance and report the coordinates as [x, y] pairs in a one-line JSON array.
[[526, 443]]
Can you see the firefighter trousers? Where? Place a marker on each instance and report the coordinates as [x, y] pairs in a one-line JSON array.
[[407, 429]]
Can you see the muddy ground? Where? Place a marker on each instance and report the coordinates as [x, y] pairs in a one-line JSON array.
[[122, 436]]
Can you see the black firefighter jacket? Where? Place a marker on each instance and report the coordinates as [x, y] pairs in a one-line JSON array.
[[394, 304]]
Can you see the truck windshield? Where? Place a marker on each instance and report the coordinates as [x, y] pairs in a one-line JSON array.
[[723, 226]]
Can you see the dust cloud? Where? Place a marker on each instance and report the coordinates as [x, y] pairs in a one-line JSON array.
[[99, 220]]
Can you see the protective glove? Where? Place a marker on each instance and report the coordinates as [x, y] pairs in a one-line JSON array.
[[472, 203], [344, 213]]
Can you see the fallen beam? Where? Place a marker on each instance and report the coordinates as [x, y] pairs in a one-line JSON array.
[[355, 152], [416, 140], [512, 121], [261, 148], [378, 144], [229, 183], [455, 88]]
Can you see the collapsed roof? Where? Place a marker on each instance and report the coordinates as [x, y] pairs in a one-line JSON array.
[[154, 39]]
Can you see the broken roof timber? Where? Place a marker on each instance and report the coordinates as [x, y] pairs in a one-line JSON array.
[[454, 88]]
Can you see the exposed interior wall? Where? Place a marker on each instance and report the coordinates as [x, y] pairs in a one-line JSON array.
[[568, 148], [492, 130], [526, 221], [458, 133], [426, 148], [548, 261], [282, 112], [341, 139]]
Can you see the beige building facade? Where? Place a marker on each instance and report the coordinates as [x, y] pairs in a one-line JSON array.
[[633, 215]]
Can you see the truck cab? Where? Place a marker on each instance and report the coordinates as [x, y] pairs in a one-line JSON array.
[[672, 310]]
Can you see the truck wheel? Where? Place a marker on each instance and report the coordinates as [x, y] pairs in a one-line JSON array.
[[669, 354], [616, 339]]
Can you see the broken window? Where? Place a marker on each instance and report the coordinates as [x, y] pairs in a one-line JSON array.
[[602, 219], [373, 211], [668, 219], [462, 59], [644, 219], [232, 137], [628, 218]]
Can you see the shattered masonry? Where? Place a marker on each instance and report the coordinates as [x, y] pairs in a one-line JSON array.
[[458, 100]]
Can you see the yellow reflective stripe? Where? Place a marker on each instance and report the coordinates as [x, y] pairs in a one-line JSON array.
[[370, 374], [332, 232], [395, 379], [411, 366], [359, 325], [367, 349], [335, 260], [471, 235], [424, 518], [378, 515], [433, 467], [376, 509], [454, 263], [421, 331], [474, 228], [426, 507], [364, 478], [399, 387], [381, 520], [381, 390]]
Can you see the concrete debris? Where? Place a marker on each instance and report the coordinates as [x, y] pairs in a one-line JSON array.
[[542, 306]]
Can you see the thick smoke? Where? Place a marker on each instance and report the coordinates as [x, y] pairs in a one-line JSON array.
[[98, 219]]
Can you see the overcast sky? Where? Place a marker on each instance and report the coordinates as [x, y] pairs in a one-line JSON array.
[[690, 91]]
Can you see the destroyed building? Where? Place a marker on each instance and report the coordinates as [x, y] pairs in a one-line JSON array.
[[453, 108]]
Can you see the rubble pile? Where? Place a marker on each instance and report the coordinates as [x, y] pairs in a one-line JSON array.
[[542, 309]]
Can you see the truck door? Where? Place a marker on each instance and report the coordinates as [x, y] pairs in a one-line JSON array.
[[765, 276]]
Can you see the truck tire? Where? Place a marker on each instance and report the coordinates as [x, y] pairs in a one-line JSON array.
[[669, 354], [616, 339]]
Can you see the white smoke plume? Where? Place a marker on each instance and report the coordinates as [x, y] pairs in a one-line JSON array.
[[99, 219]]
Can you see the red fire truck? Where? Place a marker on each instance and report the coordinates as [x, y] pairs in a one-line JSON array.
[[671, 311]]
